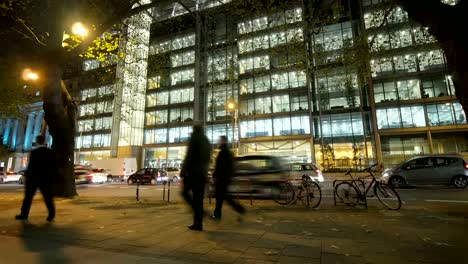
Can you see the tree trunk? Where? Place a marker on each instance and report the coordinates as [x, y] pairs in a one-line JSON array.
[[60, 112]]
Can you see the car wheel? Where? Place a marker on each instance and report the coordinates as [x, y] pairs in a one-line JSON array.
[[460, 182], [153, 181], [175, 179], [1, 181], [21, 180], [396, 182], [130, 181], [109, 179]]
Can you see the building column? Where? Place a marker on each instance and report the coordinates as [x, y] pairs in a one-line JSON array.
[[14, 135], [27, 145], [429, 141], [6, 132]]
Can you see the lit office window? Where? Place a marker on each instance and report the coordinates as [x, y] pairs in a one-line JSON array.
[[88, 93], [156, 136], [157, 99], [281, 103], [299, 102], [430, 60], [422, 36], [381, 66], [177, 115], [437, 86], [216, 99], [222, 65], [181, 59], [411, 116], [179, 134], [405, 63], [256, 63], [300, 125], [181, 95], [156, 117], [375, 18], [446, 114], [182, 77], [342, 125], [338, 90], [333, 37], [154, 82], [282, 126], [89, 65]]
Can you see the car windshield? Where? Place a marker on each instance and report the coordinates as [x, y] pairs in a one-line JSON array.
[[98, 170]]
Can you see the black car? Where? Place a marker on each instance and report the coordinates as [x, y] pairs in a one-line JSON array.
[[148, 175]]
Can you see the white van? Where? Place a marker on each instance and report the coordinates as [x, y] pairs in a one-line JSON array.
[[118, 169]]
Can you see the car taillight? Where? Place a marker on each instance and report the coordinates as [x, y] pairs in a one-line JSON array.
[[466, 166], [159, 174]]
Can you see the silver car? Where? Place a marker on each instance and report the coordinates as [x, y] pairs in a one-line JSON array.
[[430, 170], [297, 170]]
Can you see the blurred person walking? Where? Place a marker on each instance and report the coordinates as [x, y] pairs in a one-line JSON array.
[[223, 173], [39, 174], [194, 172]]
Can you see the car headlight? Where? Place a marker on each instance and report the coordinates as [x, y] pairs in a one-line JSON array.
[[385, 174]]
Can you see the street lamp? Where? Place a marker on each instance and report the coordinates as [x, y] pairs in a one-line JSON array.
[[232, 107], [79, 30], [29, 75]]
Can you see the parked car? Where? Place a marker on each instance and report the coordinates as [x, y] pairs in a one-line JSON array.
[[297, 170], [148, 175], [173, 174], [430, 170], [9, 176], [257, 175]]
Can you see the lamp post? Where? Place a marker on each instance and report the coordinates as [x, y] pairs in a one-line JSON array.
[[232, 107]]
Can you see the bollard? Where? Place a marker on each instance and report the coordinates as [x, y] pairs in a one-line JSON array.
[[138, 191], [251, 198], [169, 191], [164, 191]]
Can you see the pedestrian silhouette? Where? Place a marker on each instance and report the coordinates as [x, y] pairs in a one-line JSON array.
[[224, 170], [39, 174], [194, 172]]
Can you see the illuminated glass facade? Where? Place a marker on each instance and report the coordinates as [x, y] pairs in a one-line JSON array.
[[293, 93]]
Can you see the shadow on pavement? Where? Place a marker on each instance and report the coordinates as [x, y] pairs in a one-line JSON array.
[[48, 241]]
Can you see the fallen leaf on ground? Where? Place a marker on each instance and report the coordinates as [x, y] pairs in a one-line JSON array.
[[336, 230], [427, 239], [335, 247], [368, 231], [270, 253], [101, 227], [441, 244]]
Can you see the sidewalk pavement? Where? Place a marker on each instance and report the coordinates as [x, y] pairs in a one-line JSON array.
[[121, 230]]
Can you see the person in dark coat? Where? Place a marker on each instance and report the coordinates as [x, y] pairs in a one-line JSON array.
[[39, 174], [223, 173], [194, 172]]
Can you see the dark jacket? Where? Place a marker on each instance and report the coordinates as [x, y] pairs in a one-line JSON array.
[[224, 169], [42, 166], [197, 159]]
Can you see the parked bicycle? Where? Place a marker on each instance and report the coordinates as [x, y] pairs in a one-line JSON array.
[[355, 191], [308, 192]]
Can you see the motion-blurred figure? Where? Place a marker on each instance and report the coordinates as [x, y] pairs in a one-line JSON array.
[[40, 174], [222, 176], [194, 172]]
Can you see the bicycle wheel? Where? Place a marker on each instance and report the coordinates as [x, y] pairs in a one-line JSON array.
[[347, 193], [284, 193], [314, 194], [387, 196]]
